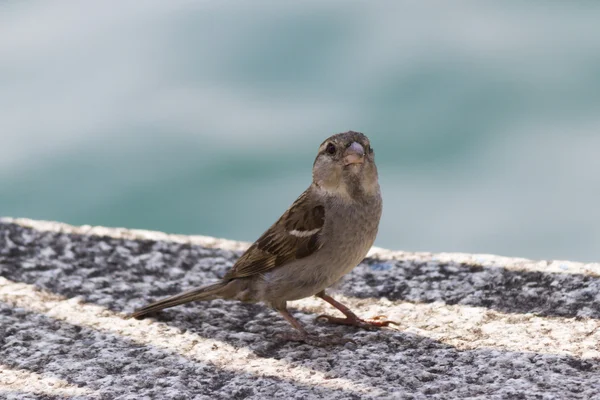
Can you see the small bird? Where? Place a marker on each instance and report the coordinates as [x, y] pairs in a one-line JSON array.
[[325, 233]]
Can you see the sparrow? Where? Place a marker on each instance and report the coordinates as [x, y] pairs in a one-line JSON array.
[[324, 234]]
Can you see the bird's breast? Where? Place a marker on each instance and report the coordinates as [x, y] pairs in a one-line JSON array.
[[349, 232]]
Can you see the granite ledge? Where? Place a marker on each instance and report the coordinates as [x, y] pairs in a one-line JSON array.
[[478, 326]]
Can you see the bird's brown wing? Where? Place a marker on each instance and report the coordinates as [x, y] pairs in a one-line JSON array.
[[295, 235]]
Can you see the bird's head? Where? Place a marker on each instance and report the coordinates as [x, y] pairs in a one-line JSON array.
[[345, 165]]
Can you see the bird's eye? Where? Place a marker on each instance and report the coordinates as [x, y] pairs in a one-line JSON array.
[[330, 148]]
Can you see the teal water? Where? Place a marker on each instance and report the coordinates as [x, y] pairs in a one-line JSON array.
[[204, 117]]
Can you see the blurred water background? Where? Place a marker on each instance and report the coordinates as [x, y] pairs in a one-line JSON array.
[[203, 117]]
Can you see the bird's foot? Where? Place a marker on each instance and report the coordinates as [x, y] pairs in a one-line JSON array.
[[314, 340], [379, 321]]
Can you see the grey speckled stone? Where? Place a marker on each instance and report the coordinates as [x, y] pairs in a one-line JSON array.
[[449, 345]]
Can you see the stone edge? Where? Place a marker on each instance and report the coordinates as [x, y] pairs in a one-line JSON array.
[[487, 260]]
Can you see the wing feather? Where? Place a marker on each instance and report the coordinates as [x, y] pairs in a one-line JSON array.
[[297, 234]]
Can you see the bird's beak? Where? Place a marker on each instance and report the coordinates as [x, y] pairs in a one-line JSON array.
[[354, 154]]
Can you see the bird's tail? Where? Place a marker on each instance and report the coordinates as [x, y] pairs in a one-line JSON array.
[[204, 293]]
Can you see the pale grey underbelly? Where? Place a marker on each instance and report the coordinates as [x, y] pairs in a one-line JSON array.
[[306, 277]]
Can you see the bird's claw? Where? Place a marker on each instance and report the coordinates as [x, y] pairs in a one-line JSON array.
[[378, 321], [382, 319]]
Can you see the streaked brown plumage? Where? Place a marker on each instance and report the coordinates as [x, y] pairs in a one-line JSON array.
[[324, 234]]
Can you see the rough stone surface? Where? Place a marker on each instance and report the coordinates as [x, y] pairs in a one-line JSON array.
[[470, 326]]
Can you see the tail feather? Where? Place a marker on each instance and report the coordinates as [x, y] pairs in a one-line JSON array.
[[203, 293]]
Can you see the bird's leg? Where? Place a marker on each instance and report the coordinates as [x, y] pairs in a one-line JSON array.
[[351, 318], [295, 323], [304, 336]]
